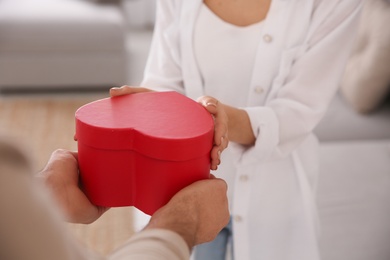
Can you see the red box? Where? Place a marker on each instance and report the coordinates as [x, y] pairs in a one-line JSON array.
[[140, 149]]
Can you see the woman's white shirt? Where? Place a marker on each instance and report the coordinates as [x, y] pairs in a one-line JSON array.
[[300, 56], [299, 61]]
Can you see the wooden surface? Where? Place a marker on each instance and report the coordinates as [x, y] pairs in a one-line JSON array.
[[43, 124]]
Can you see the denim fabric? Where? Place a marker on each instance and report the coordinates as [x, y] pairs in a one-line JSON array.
[[216, 249]]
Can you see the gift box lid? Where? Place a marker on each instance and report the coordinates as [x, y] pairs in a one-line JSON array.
[[161, 125]]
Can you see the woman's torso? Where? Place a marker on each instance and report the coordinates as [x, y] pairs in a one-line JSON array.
[[225, 55]]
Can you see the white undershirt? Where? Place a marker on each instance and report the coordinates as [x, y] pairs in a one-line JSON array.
[[225, 54]]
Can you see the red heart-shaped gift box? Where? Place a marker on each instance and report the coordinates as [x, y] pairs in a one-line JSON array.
[[140, 149]]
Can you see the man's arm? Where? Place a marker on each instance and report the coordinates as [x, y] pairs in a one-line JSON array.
[[194, 215]]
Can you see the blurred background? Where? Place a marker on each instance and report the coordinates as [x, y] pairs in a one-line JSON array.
[[57, 55], [73, 44]]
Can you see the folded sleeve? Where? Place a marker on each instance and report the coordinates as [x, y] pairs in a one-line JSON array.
[[309, 77]]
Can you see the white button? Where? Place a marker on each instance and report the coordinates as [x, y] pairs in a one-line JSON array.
[[244, 177], [267, 38], [237, 218], [259, 90]]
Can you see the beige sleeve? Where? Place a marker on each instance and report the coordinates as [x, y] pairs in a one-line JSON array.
[[30, 225], [153, 244]]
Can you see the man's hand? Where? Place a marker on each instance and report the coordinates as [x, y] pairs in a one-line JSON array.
[[197, 213], [61, 176]]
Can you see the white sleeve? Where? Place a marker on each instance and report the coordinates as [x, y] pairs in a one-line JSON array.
[[311, 79], [153, 244], [163, 69]]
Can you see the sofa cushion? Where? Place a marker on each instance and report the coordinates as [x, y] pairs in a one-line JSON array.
[[342, 122], [61, 44], [59, 25], [366, 81]]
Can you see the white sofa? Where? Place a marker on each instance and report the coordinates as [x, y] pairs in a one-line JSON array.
[[61, 44]]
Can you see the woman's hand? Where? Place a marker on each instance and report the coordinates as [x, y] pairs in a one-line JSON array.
[[212, 106], [61, 176], [221, 140], [125, 90]]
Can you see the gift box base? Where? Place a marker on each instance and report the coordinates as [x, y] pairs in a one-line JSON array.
[[108, 177]]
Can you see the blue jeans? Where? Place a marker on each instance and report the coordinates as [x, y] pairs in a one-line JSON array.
[[216, 249]]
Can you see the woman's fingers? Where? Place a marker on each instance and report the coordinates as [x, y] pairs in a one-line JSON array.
[[216, 109], [126, 90], [215, 158]]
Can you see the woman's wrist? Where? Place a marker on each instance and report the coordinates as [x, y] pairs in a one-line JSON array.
[[239, 125]]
